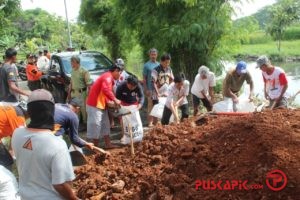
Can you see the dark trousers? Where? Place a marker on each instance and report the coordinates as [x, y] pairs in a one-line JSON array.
[[34, 85], [168, 113], [5, 158]]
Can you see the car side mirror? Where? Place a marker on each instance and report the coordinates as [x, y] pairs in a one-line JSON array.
[[54, 68]]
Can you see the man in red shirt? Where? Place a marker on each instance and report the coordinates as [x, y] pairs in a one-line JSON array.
[[100, 94], [275, 83]]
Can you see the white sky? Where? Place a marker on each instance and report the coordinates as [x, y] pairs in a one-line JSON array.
[[57, 7]]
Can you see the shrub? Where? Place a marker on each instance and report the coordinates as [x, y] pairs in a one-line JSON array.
[[259, 38], [292, 33]]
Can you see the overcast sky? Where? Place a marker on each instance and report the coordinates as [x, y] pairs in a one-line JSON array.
[[57, 7]]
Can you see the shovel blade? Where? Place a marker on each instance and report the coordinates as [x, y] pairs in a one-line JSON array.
[[77, 158]]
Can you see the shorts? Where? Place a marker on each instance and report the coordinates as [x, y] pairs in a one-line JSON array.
[[206, 103], [282, 104], [97, 122]]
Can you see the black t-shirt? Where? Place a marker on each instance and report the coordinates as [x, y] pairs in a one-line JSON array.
[[130, 96], [7, 73]]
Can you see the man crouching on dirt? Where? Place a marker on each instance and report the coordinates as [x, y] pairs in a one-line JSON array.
[[275, 83], [234, 81], [66, 120], [101, 92], [43, 160]]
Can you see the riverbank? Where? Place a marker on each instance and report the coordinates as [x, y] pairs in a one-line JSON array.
[[290, 51]]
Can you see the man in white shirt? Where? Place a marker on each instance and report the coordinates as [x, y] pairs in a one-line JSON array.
[[43, 62], [176, 98], [203, 89], [43, 161]]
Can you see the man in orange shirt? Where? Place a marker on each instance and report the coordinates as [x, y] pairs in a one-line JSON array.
[[33, 73], [11, 117]]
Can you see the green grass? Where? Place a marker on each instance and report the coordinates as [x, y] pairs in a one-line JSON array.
[[288, 48]]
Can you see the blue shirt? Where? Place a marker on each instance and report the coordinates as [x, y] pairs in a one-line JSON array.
[[67, 121], [148, 67]]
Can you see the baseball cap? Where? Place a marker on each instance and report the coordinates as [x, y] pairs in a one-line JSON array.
[[262, 60], [203, 70], [76, 102], [40, 95], [241, 67]]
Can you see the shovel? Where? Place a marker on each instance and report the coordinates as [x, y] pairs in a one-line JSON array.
[[77, 156], [100, 150], [119, 112]]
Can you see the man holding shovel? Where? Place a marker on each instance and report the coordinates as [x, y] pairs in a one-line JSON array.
[[275, 83], [203, 89], [176, 98], [66, 120]]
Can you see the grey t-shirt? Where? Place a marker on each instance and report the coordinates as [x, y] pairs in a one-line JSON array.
[[8, 73]]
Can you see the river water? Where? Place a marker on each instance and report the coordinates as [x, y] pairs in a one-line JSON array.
[[292, 70]]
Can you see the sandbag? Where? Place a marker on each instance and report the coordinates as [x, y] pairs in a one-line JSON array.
[[244, 105], [134, 121], [158, 109]]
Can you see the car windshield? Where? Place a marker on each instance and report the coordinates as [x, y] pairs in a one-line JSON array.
[[90, 62]]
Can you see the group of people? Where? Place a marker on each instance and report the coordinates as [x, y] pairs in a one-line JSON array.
[[42, 158]]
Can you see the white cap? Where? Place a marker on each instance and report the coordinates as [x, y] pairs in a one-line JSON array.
[[203, 70]]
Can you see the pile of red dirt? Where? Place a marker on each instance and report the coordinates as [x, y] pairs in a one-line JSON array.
[[223, 158]]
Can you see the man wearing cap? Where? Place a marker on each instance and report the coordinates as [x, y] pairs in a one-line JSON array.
[[234, 81], [43, 160], [275, 83], [100, 94], [10, 91], [147, 81], [11, 118], [66, 120], [80, 83], [33, 73], [203, 89]]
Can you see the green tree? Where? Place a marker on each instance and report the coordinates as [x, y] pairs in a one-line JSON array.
[[9, 9], [188, 29], [283, 14], [102, 17]]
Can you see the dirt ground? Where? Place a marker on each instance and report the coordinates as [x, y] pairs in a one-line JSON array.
[[172, 160]]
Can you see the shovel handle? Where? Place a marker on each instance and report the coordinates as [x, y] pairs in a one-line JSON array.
[[131, 139], [100, 150]]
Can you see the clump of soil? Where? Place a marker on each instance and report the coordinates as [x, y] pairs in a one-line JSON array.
[[171, 159]]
